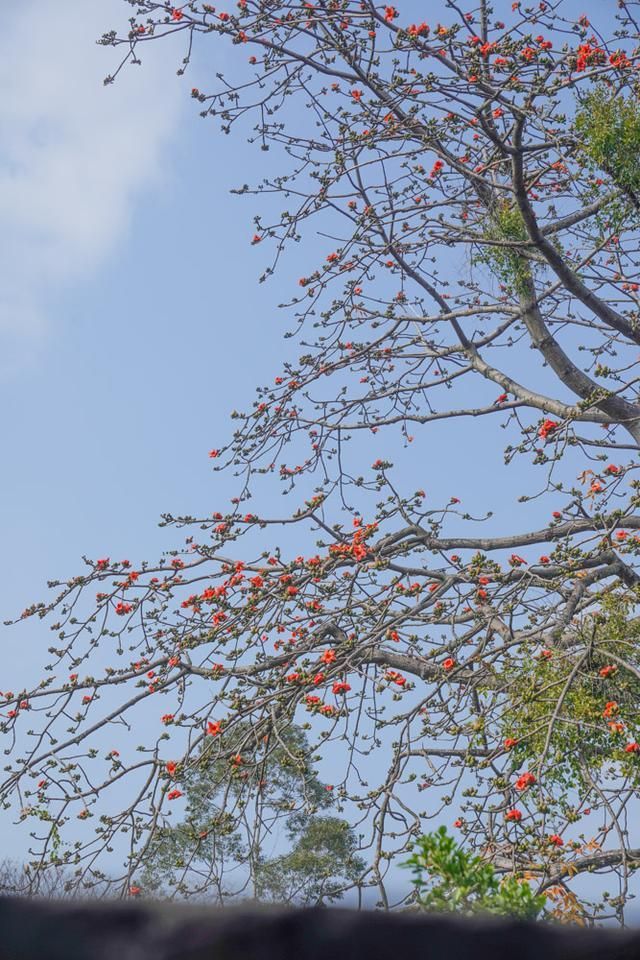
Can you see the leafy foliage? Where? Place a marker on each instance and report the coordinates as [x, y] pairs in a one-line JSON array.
[[449, 879], [506, 232], [609, 127], [208, 855]]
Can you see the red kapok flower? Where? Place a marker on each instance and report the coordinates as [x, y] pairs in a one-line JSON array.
[[513, 816], [547, 427], [395, 677], [608, 670], [174, 794], [448, 664], [525, 780], [509, 743], [632, 747], [171, 767], [556, 840], [213, 728]]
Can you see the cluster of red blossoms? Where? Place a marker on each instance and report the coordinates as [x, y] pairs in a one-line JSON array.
[[588, 55], [357, 548], [418, 29]]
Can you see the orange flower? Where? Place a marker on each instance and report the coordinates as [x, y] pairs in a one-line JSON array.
[[608, 670], [548, 426], [448, 664], [213, 728], [394, 677], [525, 780]]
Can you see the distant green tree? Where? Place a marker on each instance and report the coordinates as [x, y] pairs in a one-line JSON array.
[[449, 879], [288, 851]]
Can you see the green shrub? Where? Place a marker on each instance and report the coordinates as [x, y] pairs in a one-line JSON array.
[[449, 879]]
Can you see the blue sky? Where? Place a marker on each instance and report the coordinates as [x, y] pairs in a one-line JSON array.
[[131, 320], [125, 296]]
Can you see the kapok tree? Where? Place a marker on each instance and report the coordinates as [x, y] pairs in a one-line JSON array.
[[479, 179]]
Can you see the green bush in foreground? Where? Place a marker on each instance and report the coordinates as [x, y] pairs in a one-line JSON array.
[[449, 879]]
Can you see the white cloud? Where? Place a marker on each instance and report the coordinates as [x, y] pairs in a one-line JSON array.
[[73, 154]]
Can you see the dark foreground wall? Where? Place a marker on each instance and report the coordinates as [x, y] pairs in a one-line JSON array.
[[45, 930]]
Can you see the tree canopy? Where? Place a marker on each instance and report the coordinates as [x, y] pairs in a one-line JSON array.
[[475, 183]]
